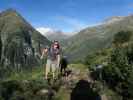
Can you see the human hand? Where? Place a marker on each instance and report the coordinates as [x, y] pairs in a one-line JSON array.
[[41, 57]]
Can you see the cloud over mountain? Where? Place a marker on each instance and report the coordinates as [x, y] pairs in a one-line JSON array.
[[52, 34], [45, 30]]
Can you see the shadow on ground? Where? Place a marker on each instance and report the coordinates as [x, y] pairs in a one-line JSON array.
[[83, 91]]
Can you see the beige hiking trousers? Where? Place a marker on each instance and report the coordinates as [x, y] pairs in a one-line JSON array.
[[52, 66]]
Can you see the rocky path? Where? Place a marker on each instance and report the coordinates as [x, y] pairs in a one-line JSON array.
[[79, 72]]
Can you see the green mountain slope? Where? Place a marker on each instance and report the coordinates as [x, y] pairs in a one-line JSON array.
[[20, 43], [94, 38]]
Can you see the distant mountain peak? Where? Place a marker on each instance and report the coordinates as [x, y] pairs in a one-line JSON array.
[[9, 12]]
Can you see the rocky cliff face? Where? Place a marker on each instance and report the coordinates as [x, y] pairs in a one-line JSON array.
[[20, 43]]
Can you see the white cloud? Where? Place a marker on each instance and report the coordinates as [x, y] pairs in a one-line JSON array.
[[74, 24], [45, 30]]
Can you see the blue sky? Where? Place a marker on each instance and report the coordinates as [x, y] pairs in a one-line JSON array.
[[68, 15]]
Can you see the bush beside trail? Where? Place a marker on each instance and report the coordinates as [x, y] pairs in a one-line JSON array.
[[117, 62]]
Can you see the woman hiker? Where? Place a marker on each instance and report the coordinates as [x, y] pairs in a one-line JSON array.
[[53, 59]]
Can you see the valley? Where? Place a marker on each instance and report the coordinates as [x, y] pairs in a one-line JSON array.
[[100, 61]]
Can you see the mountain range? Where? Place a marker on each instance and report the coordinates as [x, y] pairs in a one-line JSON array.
[[21, 44], [92, 39], [57, 35]]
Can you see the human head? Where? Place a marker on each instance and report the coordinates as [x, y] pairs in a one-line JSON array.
[[56, 44]]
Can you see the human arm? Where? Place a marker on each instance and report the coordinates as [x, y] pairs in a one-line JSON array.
[[59, 55], [44, 53], [58, 59]]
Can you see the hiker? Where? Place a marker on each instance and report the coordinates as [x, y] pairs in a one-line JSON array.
[[53, 59]]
